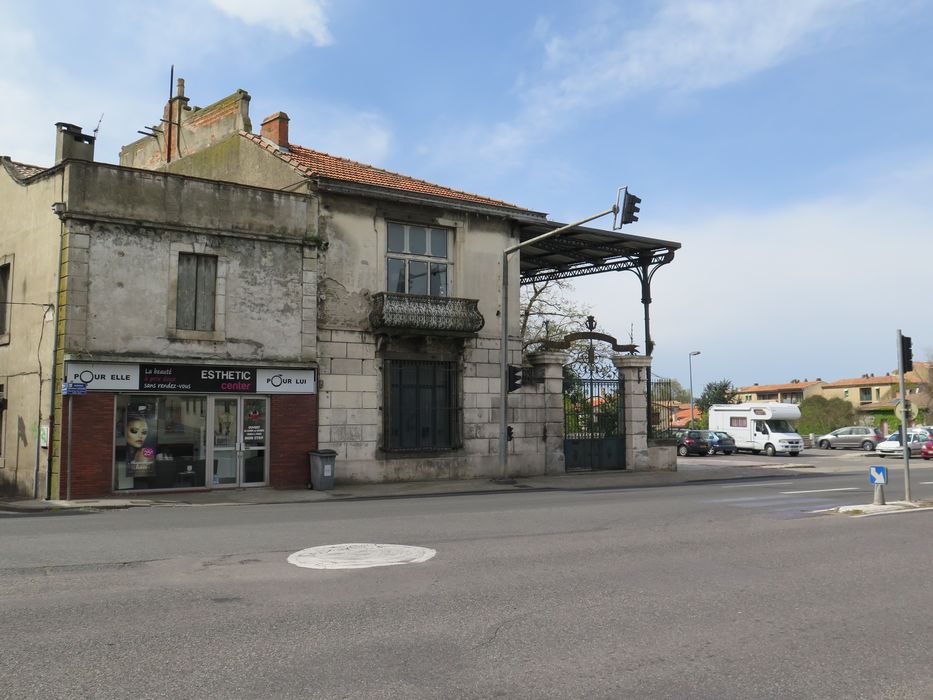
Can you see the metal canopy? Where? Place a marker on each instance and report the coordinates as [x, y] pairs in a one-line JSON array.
[[587, 251]]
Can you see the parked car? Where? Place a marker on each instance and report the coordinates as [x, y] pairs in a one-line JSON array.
[[891, 446], [692, 442], [927, 450], [720, 442], [858, 436]]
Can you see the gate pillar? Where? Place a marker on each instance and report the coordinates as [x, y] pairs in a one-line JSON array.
[[633, 370], [548, 379]]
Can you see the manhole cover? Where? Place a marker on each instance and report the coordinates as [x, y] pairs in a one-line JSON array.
[[359, 555]]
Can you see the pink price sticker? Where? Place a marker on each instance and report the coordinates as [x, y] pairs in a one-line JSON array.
[[149, 452]]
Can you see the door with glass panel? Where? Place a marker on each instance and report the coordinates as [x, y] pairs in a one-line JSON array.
[[240, 440]]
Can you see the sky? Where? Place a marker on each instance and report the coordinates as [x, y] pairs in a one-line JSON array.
[[786, 145]]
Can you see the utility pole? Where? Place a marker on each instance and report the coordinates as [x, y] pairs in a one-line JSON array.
[[504, 332], [904, 363]]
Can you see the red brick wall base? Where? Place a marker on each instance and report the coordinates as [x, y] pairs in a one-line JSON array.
[[293, 421]]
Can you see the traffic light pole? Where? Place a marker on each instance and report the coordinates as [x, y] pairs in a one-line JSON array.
[[504, 334], [905, 414]]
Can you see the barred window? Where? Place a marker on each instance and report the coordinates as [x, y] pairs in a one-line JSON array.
[[421, 406]]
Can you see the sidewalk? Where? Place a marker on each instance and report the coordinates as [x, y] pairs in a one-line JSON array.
[[576, 481]]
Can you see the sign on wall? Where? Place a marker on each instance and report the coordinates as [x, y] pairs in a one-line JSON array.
[[204, 379]]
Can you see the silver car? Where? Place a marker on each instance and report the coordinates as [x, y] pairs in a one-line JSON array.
[[891, 447], [857, 436]]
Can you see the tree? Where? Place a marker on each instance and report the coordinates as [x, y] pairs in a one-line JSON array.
[[548, 314], [721, 391], [820, 415], [679, 392]]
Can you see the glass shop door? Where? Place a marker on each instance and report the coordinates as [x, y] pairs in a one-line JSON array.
[[240, 440]]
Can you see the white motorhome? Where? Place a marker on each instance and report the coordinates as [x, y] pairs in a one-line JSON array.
[[759, 427]]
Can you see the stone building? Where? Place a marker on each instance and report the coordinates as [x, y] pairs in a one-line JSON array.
[[253, 299], [185, 308]]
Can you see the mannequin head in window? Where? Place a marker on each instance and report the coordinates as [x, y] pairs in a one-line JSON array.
[[137, 430]]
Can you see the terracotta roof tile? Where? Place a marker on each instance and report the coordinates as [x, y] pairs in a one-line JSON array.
[[766, 388], [317, 164], [24, 170], [863, 381]]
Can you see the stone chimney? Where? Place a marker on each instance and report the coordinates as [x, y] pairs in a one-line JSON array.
[[275, 129], [71, 144]]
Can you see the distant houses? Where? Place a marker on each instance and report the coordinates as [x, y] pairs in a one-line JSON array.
[[872, 395]]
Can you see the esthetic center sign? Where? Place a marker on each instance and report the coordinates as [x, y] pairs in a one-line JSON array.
[[205, 379]]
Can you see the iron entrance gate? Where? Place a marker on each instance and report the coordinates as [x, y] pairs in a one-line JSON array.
[[594, 432]]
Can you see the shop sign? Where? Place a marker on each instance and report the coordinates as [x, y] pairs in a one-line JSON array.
[[213, 380], [103, 376], [207, 379], [285, 381]]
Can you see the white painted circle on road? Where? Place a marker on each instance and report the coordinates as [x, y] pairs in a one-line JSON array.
[[359, 555]]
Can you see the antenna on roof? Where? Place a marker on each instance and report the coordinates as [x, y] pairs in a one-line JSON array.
[[171, 81], [97, 128]]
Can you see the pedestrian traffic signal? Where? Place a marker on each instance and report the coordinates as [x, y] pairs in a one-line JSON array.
[[907, 353], [630, 208], [515, 378]]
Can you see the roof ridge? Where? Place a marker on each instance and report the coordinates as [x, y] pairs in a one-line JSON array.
[[291, 159], [397, 174]]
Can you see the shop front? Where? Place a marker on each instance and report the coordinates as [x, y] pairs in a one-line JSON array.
[[179, 426]]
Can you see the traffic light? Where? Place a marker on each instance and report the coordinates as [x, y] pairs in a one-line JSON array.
[[907, 353], [509, 433], [515, 378], [630, 208]]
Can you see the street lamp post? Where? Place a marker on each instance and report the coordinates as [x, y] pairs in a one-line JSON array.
[[690, 362]]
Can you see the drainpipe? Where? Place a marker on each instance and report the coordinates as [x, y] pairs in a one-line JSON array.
[[59, 208]]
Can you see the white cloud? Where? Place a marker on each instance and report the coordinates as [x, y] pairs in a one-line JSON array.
[[686, 46], [814, 289], [340, 131], [295, 17]]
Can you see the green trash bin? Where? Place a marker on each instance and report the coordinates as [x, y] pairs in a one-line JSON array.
[[322, 464]]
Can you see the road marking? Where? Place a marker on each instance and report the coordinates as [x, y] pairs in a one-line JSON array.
[[767, 483], [922, 483], [849, 488], [359, 555]]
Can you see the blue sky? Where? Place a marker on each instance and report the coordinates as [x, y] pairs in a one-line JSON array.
[[786, 145]]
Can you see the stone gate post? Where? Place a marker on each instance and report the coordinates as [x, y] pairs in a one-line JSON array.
[[633, 370], [548, 373]]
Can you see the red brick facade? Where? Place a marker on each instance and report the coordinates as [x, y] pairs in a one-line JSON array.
[[293, 422], [92, 446], [293, 431]]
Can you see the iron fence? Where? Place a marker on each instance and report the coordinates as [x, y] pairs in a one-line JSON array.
[[663, 406]]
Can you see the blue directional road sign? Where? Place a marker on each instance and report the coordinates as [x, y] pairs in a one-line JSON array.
[[878, 475]]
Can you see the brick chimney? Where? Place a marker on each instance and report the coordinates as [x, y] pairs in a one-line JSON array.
[[71, 144], [275, 129]]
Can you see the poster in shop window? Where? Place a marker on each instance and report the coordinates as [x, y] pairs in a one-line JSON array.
[[139, 430]]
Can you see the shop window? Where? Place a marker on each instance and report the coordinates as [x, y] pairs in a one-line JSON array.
[[6, 273], [417, 259], [422, 405], [196, 292], [160, 442]]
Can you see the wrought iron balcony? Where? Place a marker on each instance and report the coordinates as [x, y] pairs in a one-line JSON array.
[[418, 314]]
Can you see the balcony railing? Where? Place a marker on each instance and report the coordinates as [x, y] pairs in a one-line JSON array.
[[420, 314]]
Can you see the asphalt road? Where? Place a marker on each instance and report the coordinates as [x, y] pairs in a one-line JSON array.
[[718, 590]]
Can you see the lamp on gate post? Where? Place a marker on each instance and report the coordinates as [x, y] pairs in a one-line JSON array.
[[690, 361]]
